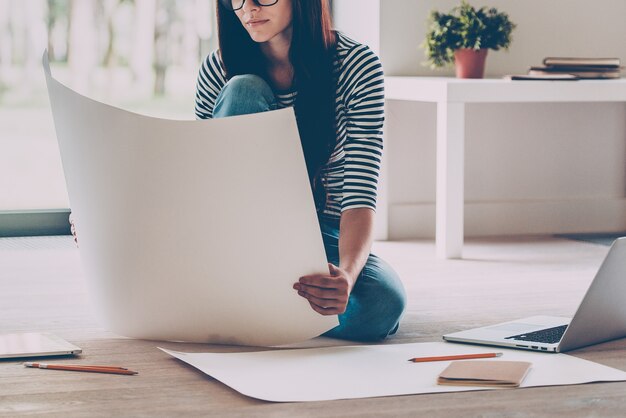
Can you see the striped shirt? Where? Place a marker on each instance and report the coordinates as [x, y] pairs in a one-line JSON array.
[[351, 173]]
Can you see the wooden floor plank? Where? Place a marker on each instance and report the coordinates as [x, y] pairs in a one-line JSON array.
[[42, 289]]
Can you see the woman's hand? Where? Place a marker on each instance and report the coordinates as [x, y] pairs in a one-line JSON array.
[[73, 229], [327, 294]]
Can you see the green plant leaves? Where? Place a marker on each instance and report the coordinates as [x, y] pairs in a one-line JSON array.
[[465, 27]]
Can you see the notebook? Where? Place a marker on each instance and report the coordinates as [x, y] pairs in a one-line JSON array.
[[485, 373]]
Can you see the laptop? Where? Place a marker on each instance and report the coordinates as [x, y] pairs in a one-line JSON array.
[[601, 316], [35, 344]]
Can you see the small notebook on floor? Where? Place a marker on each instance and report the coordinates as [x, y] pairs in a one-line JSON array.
[[485, 373]]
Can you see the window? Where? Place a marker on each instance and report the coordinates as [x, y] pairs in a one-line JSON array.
[[140, 55]]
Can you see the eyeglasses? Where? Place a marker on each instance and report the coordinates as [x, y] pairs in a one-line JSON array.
[[235, 5]]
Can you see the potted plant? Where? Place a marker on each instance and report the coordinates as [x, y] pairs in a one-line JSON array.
[[464, 35]]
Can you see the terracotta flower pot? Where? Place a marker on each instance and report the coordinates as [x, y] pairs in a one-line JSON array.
[[470, 63]]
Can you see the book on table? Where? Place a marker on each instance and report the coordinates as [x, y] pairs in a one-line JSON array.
[[595, 73], [581, 61], [548, 77], [579, 67], [570, 68]]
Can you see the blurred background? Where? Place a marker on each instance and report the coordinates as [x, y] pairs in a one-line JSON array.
[[559, 168], [140, 55]]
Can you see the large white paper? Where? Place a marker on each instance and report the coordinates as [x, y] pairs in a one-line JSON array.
[[191, 230], [322, 374]]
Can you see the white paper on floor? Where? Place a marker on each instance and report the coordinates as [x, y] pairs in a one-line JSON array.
[[322, 374]]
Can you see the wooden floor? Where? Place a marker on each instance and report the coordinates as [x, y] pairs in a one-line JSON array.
[[41, 289]]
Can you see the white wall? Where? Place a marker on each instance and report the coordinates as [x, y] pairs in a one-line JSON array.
[[544, 28], [530, 168], [360, 19]]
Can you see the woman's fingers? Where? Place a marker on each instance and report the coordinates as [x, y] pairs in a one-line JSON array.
[[325, 282], [73, 229], [323, 302], [319, 281], [320, 292], [325, 311], [327, 294]]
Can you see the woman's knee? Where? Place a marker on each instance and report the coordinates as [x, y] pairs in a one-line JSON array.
[[389, 311], [387, 286], [244, 94], [248, 84], [383, 299]]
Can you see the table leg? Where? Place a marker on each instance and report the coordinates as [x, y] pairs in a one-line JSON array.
[[450, 182]]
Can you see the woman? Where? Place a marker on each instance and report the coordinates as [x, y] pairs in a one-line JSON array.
[[280, 53]]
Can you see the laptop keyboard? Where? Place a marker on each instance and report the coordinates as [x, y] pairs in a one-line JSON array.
[[548, 335]]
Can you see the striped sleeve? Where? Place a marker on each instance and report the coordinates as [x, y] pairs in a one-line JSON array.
[[363, 87], [211, 80]]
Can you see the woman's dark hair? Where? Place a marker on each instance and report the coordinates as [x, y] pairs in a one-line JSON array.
[[312, 54]]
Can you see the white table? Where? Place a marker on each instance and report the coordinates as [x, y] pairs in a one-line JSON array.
[[451, 95]]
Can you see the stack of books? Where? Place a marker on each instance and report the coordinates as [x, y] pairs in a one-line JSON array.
[[582, 68]]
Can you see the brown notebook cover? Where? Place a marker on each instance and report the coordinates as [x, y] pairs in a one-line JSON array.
[[485, 373]]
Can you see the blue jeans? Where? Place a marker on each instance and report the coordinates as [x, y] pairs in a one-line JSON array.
[[377, 300], [244, 94]]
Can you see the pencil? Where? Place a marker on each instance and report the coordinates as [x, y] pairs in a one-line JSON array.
[[454, 357], [81, 368]]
